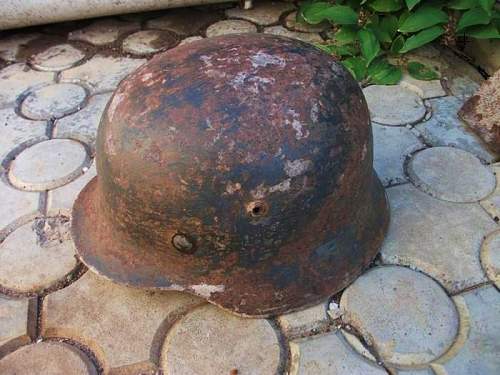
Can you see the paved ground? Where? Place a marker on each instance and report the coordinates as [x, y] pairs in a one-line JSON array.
[[429, 305]]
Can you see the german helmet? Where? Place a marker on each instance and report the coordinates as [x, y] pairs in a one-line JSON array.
[[236, 168]]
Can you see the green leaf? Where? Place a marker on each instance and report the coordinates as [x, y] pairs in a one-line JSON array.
[[346, 35], [410, 4], [483, 32], [382, 35], [314, 13], [357, 67], [386, 6], [424, 17], [474, 16], [422, 38], [338, 14], [370, 46], [347, 50], [397, 44], [487, 5], [462, 4], [390, 25], [421, 72], [383, 73]]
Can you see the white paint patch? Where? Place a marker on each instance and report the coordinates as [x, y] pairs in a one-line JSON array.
[[259, 192], [262, 59], [314, 111], [117, 99], [146, 77], [233, 188], [282, 186], [297, 167], [206, 290], [297, 125]]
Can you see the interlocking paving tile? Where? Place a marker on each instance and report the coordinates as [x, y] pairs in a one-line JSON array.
[[262, 13], [490, 257], [406, 316], [294, 25], [249, 346], [103, 73], [305, 322], [83, 124], [440, 238], [11, 45], [329, 354], [13, 322], [424, 89], [149, 41], [16, 206], [184, 22], [391, 146], [492, 203], [445, 128], [230, 27], [121, 325], [305, 37], [394, 105], [479, 353], [104, 31], [37, 255], [53, 101], [451, 174], [48, 164], [17, 78], [58, 57], [190, 39], [48, 358]]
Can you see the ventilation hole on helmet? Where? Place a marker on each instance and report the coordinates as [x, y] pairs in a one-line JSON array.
[[183, 243], [257, 209]]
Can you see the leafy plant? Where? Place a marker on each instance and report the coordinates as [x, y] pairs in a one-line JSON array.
[[366, 32]]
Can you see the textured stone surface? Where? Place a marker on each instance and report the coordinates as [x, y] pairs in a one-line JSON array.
[[230, 27], [149, 41], [305, 322], [58, 57], [329, 354], [48, 164], [451, 174], [83, 124], [103, 73], [440, 238], [53, 101], [263, 13], [492, 203], [103, 31], [377, 305], [394, 105], [184, 22], [37, 255], [292, 24], [48, 358], [190, 39], [121, 324], [249, 346], [391, 146], [15, 206], [490, 257], [17, 78], [305, 37], [424, 89], [12, 44], [445, 129], [13, 322]]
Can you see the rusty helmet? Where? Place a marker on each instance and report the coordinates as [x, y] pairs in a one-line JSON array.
[[236, 168]]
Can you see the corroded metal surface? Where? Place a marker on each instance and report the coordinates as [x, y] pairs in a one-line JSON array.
[[239, 169]]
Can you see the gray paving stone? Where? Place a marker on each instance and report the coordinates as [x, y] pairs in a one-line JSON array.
[[48, 358], [305, 322], [184, 22], [56, 58], [226, 27], [190, 39], [104, 31], [249, 346], [16, 206], [103, 73], [406, 316], [424, 89], [83, 124], [445, 129], [262, 13], [479, 353], [53, 101], [48, 164], [490, 257], [492, 203], [292, 24], [451, 174], [146, 42], [426, 371], [37, 255], [305, 37], [329, 354], [391, 146], [440, 238], [122, 324], [12, 44], [394, 105], [17, 78], [463, 87], [13, 322]]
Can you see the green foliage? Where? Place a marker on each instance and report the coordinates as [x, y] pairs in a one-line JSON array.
[[369, 31]]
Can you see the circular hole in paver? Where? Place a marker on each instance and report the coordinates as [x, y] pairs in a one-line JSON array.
[[53, 101], [149, 41], [58, 57], [37, 255], [48, 164], [406, 316], [211, 341], [451, 174], [47, 358], [394, 105], [490, 257]]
